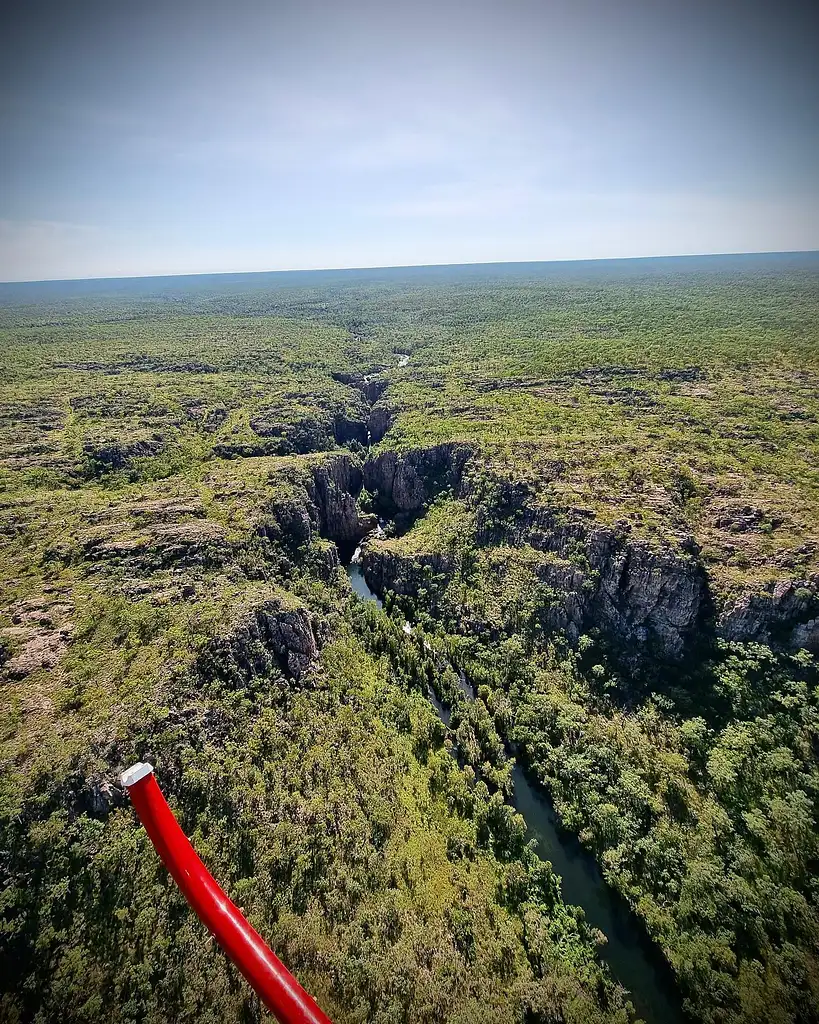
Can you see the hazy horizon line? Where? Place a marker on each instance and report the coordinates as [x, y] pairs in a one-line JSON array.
[[408, 266]]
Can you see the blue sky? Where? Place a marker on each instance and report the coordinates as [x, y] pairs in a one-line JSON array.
[[185, 137]]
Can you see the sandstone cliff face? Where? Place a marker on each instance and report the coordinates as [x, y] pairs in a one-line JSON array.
[[386, 570], [407, 480], [650, 595], [325, 510], [786, 612], [347, 429], [268, 636], [647, 597], [290, 523], [333, 490], [317, 432], [327, 507], [371, 388], [649, 601], [652, 599], [300, 435], [661, 594], [379, 422]]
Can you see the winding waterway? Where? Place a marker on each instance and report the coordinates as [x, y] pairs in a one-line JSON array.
[[629, 953]]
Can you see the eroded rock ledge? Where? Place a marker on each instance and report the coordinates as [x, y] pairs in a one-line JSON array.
[[783, 613], [336, 484]]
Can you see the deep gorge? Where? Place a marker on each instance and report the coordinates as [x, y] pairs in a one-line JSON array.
[[634, 962], [586, 500]]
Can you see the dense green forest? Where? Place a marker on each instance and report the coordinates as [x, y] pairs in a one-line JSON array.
[[590, 489]]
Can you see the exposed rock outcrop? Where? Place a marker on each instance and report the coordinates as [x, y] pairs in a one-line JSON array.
[[371, 388], [387, 570], [198, 542], [270, 635], [281, 429], [30, 435], [327, 507], [333, 490], [98, 797], [139, 363], [105, 454], [213, 418], [645, 597], [295, 436], [651, 599], [380, 421], [39, 634], [290, 523], [647, 600], [786, 613], [740, 517], [405, 481], [347, 429], [325, 560]]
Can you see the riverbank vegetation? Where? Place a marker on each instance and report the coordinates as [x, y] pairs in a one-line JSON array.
[[700, 809]]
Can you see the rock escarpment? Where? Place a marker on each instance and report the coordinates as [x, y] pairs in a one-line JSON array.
[[292, 435], [644, 596], [387, 570], [347, 430], [378, 415], [197, 543], [786, 613], [333, 491], [101, 455], [650, 598], [326, 507], [318, 431], [371, 388], [379, 422], [648, 601]]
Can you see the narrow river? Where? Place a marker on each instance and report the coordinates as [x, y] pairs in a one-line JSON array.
[[629, 953]]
